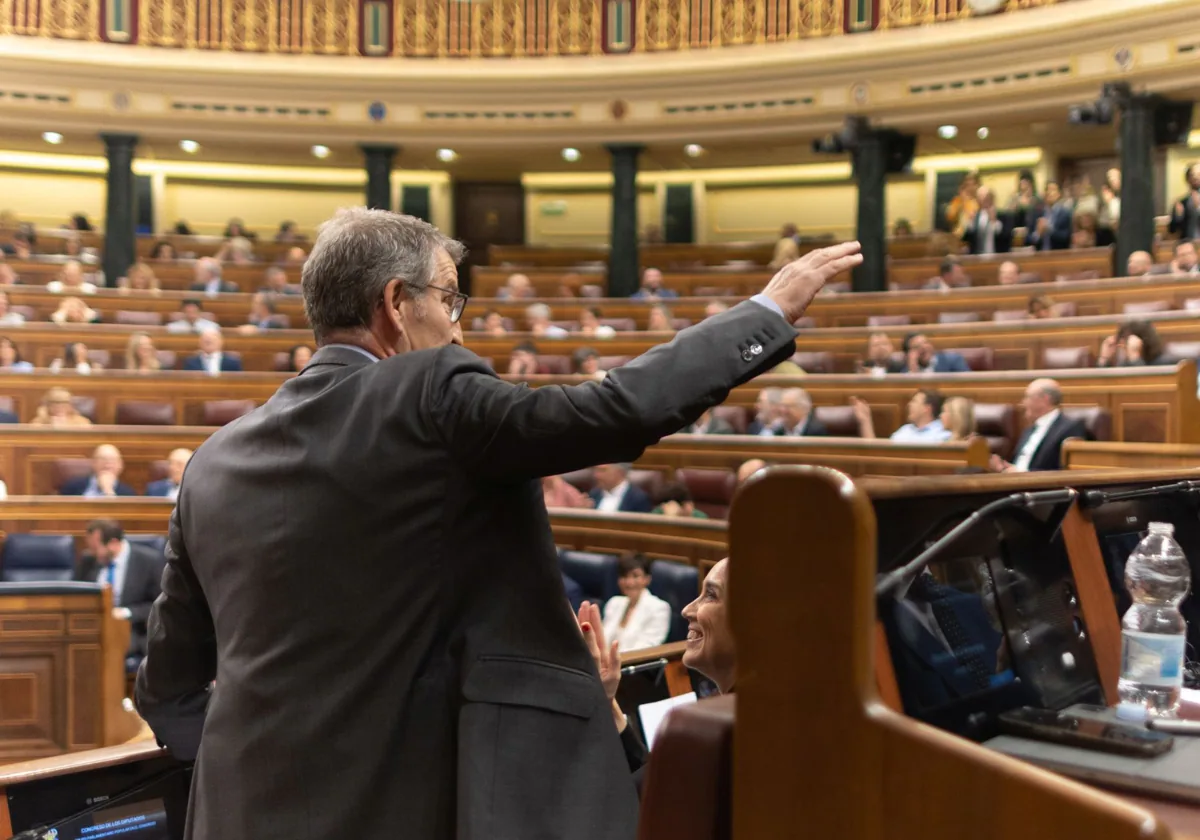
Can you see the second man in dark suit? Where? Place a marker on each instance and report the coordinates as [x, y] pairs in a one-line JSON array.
[[133, 571], [1040, 446], [796, 415], [614, 493], [211, 359]]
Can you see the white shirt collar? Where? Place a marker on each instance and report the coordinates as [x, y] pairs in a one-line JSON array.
[[619, 490], [1046, 419]]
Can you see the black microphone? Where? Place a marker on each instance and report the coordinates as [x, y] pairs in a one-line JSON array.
[[1098, 498], [891, 582], [49, 832]]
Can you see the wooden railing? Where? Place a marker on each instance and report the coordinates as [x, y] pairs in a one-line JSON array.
[[452, 29]]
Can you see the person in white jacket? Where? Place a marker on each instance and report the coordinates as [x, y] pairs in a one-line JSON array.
[[635, 618]]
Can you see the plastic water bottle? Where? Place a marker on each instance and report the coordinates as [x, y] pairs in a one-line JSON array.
[[1153, 632]]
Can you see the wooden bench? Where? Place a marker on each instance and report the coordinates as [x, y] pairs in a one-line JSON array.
[[32, 457], [1100, 455], [173, 275]]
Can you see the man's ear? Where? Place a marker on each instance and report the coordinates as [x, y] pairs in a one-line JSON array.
[[393, 296]]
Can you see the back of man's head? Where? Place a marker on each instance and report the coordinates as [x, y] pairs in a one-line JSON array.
[[357, 253], [106, 529]]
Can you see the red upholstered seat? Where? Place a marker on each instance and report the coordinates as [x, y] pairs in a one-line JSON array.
[[26, 312], [6, 404], [166, 359], [554, 365], [137, 318], [888, 321], [1146, 307], [282, 361], [158, 471], [100, 357], [838, 419], [145, 413], [689, 781], [649, 480], [977, 358], [1090, 274], [66, 469], [569, 326], [591, 290], [1010, 315], [178, 316], [610, 362], [1057, 358], [1029, 277], [734, 415], [814, 362], [711, 490], [957, 317], [997, 422], [220, 412], [85, 406], [1066, 309], [1097, 420]]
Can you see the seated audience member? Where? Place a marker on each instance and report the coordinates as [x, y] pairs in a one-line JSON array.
[[1185, 215], [922, 357], [1185, 258], [105, 480], [235, 227], [709, 424], [636, 619], [239, 251], [1134, 343], [924, 419], [903, 227], [262, 314], [8, 277], [275, 282], [192, 320], [988, 231], [295, 256], [787, 249], [768, 412], [1139, 264], [537, 320], [714, 307], [958, 418], [558, 492], [208, 278], [523, 361], [71, 281], [613, 493], [1040, 445], [516, 287], [675, 500], [749, 468], [710, 651], [163, 250], [659, 319], [1083, 232], [73, 310], [79, 221], [493, 323], [963, 207], [140, 354], [652, 287], [75, 360], [1025, 206], [1041, 307], [879, 359], [211, 359], [586, 362], [139, 278], [57, 409], [950, 276], [8, 318], [288, 232], [182, 228], [10, 358], [177, 462], [796, 415], [590, 326], [298, 357], [1052, 229], [133, 571], [1008, 274]]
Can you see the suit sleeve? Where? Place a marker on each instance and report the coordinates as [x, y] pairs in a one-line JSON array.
[[139, 612], [1175, 225], [181, 654], [502, 431]]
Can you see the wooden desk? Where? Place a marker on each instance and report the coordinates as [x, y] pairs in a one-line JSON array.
[[176, 275], [62, 659], [1100, 455]]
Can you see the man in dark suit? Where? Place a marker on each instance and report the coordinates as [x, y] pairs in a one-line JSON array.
[[133, 571], [169, 487], [105, 480], [989, 232], [1040, 445], [211, 359], [879, 361], [796, 413], [1052, 230], [1185, 215], [8, 417], [613, 492], [766, 420], [922, 357], [208, 278], [432, 682]]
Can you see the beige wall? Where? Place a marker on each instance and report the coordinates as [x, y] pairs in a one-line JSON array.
[[208, 205], [48, 199], [586, 219]]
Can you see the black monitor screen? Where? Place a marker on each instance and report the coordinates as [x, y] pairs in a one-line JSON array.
[[145, 820]]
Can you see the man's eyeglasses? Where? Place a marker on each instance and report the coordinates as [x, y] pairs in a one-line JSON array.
[[454, 303]]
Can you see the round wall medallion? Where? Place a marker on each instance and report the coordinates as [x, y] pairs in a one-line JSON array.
[[1124, 57], [120, 100], [377, 111], [618, 110], [859, 93]]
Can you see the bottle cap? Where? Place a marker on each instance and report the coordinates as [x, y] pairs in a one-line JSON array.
[[1162, 528], [1131, 711]]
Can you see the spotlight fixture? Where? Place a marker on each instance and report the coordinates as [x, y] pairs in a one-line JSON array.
[[693, 150], [982, 133], [320, 152], [52, 137], [947, 132], [189, 146], [447, 155], [571, 155]]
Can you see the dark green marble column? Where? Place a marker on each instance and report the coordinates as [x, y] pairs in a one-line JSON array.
[[1136, 229], [120, 215], [623, 271], [870, 171], [378, 161]]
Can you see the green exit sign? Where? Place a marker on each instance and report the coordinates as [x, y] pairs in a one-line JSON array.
[[553, 208]]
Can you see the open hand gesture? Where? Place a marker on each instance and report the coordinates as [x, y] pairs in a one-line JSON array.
[[797, 283], [606, 657]]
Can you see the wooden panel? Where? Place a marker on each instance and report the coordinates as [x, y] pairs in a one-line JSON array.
[[84, 666], [27, 692], [1089, 455]]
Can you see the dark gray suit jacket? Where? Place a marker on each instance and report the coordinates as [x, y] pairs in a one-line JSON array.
[[366, 568], [143, 575]]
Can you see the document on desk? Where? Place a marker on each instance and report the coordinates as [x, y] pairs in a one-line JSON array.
[[653, 714]]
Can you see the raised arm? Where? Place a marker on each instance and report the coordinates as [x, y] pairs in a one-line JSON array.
[[181, 659], [508, 432]]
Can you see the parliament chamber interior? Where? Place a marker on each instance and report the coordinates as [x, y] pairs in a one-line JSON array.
[[835, 596]]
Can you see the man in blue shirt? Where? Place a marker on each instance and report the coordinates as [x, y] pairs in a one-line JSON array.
[[652, 287], [924, 424], [922, 357]]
